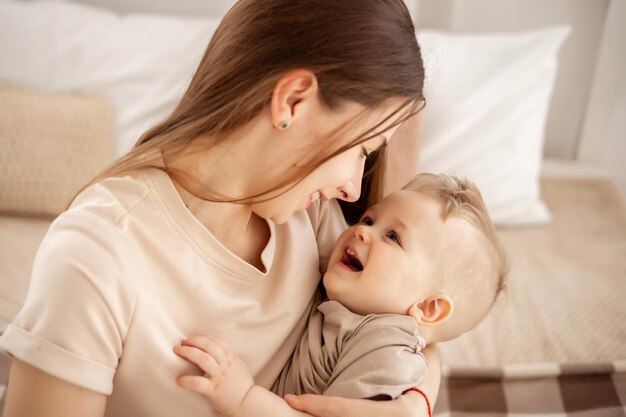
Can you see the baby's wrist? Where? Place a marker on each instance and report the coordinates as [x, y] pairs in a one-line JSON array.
[[247, 402]]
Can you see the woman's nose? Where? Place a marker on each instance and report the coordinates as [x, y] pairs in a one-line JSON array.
[[361, 232], [350, 191]]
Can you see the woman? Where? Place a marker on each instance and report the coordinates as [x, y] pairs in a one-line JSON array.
[[221, 218]]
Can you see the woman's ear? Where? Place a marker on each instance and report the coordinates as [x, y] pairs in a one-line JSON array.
[[432, 310], [290, 90]]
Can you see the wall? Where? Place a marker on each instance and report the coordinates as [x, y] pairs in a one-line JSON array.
[[614, 157], [603, 139], [576, 61], [180, 7]]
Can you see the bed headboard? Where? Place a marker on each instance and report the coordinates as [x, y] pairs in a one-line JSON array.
[[187, 7], [575, 116]]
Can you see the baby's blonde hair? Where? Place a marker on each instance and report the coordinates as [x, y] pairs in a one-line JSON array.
[[461, 198]]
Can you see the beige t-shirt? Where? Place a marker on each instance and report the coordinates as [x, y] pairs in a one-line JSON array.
[[128, 272]]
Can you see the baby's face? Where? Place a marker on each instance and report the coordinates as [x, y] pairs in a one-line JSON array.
[[388, 260]]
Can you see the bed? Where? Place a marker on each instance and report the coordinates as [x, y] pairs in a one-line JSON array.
[[554, 344]]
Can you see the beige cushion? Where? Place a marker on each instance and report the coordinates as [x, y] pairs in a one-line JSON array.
[[19, 240], [50, 145]]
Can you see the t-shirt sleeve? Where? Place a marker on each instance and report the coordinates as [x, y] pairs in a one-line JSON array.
[[79, 304], [328, 222], [381, 360]]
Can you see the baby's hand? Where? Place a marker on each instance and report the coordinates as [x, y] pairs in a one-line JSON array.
[[226, 379]]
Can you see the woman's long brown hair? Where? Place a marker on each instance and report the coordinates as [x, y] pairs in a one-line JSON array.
[[360, 51]]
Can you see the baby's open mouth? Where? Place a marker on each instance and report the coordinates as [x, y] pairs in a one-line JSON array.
[[350, 260]]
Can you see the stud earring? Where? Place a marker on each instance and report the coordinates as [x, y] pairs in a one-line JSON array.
[[283, 125]]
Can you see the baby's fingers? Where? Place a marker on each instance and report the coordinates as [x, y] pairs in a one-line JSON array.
[[210, 345], [204, 360], [196, 383]]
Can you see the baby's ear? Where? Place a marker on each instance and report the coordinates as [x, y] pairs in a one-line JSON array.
[[433, 310]]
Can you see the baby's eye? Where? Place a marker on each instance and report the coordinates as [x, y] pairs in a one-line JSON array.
[[393, 236], [367, 221]]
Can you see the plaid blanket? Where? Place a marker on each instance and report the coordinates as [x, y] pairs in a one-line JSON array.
[[534, 390], [5, 365], [550, 390]]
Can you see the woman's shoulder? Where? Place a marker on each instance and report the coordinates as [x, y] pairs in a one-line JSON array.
[[98, 218], [111, 198], [88, 242]]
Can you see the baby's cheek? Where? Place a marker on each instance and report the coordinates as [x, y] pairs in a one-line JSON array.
[[329, 283], [334, 287]]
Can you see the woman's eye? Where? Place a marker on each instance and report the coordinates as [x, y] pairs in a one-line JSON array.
[[367, 221], [393, 236]]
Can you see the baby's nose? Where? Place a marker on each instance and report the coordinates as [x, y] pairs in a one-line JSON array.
[[361, 233]]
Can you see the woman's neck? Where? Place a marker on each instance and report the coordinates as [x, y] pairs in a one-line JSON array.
[[233, 168], [234, 225], [250, 161]]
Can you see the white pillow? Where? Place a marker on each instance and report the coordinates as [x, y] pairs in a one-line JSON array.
[[141, 62], [487, 100]]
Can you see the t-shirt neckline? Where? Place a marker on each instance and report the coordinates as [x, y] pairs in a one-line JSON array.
[[201, 239]]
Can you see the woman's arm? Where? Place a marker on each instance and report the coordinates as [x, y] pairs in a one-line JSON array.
[[32, 392], [411, 404]]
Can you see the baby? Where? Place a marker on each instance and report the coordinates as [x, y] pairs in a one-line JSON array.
[[422, 266]]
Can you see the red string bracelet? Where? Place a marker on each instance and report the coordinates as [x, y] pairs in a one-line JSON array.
[[430, 414]]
